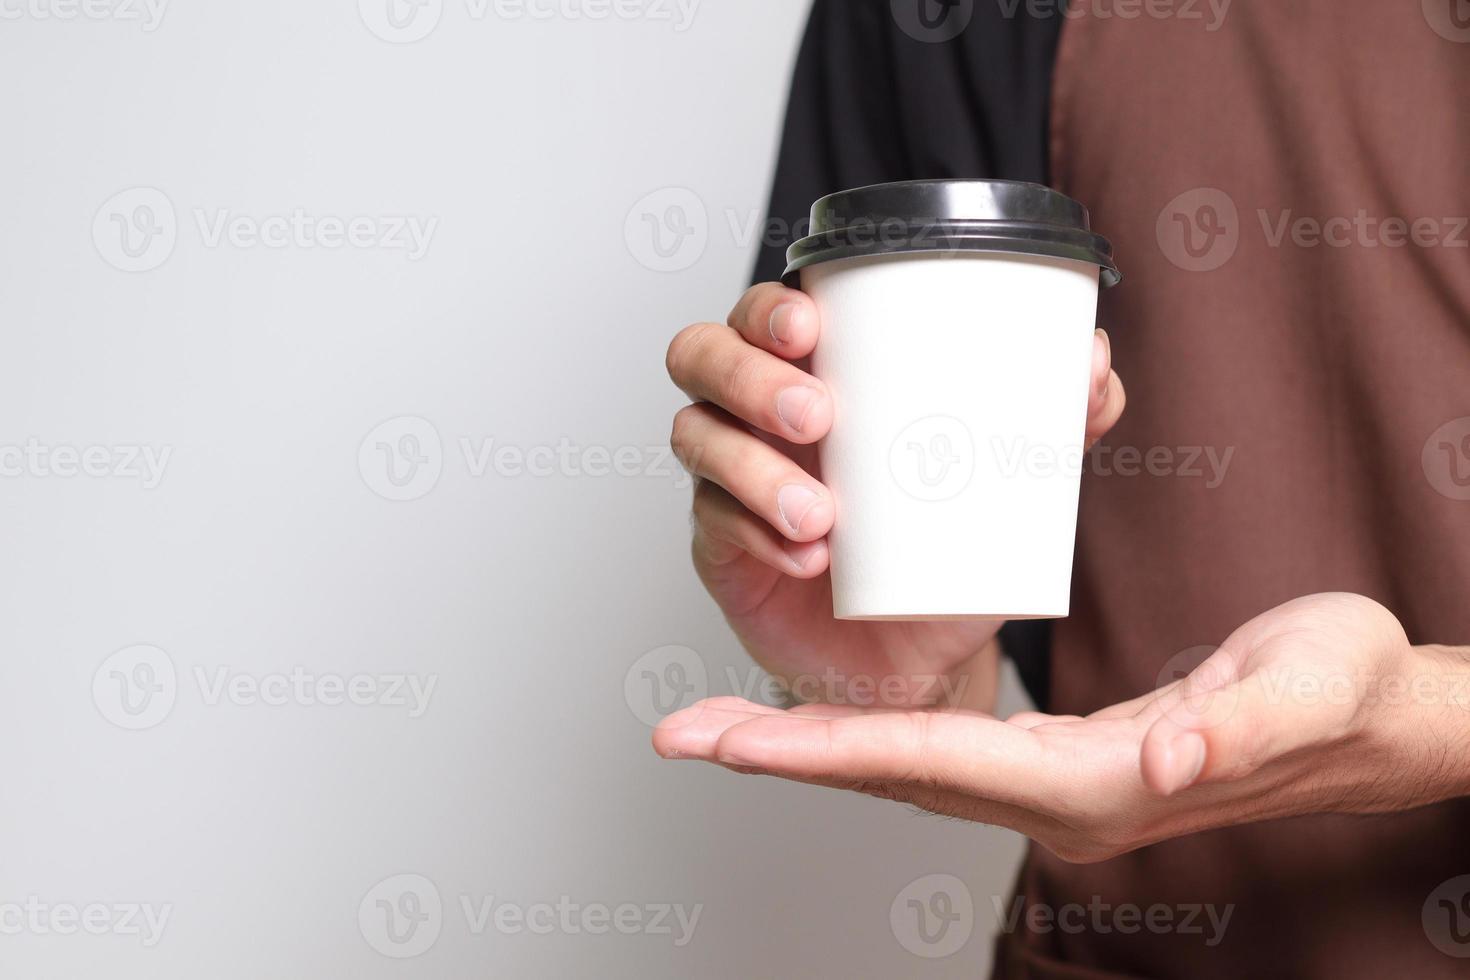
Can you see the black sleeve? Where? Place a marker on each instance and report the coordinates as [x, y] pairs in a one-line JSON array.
[[871, 102], [883, 93]]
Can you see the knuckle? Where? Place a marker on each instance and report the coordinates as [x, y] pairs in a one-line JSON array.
[[705, 503], [750, 462], [1120, 394], [1242, 762], [923, 768], [700, 509], [684, 350], [681, 436], [756, 299], [746, 373], [716, 514]]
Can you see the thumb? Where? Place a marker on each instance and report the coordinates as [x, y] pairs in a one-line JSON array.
[[1227, 733]]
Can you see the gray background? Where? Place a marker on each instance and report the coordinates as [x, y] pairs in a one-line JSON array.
[[537, 317]]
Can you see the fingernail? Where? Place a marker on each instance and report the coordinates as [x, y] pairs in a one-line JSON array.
[[783, 322], [795, 502], [1189, 759], [793, 404], [801, 554], [1102, 363]]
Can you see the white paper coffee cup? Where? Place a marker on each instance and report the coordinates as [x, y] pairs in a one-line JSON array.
[[960, 373]]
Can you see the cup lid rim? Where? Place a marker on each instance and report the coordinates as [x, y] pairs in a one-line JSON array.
[[998, 216]]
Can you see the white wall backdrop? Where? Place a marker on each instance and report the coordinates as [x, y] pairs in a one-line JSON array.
[[325, 627]]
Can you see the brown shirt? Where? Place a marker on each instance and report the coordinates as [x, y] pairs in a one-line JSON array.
[[1287, 196]]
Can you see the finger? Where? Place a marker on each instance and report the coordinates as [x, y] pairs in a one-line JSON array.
[[774, 318], [714, 447], [698, 731], [1232, 731], [714, 363], [1111, 403], [960, 753], [692, 732], [724, 529]]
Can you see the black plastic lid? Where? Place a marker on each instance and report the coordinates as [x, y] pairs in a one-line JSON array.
[[949, 216]]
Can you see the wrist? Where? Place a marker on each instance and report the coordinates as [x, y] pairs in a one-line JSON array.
[[1424, 712]]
